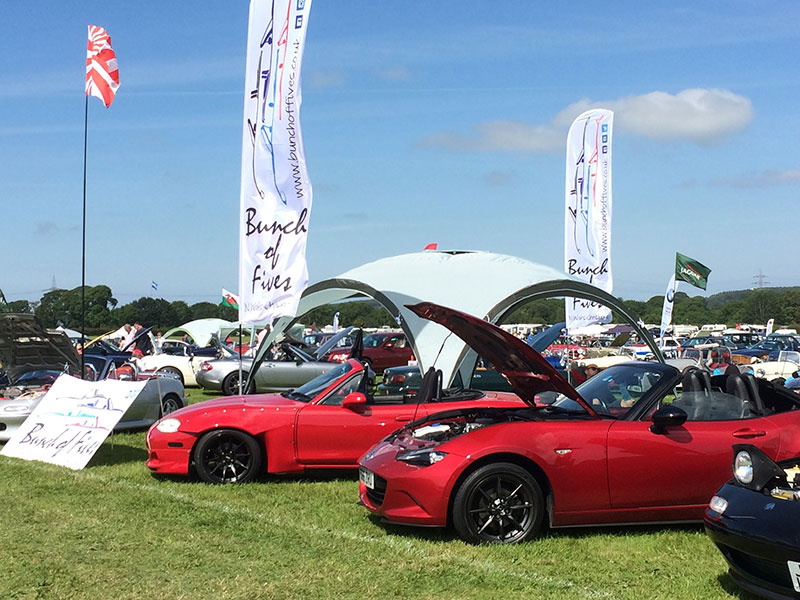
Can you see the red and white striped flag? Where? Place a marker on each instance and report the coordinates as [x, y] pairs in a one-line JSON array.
[[102, 74]]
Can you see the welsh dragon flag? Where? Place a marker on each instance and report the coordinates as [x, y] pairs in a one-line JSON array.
[[229, 299]]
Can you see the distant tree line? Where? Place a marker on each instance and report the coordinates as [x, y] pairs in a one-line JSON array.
[[63, 307], [754, 306]]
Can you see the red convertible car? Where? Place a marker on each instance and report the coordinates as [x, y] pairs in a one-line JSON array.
[[638, 442], [327, 423]]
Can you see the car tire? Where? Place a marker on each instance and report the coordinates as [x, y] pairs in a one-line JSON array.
[[227, 456], [230, 385], [498, 503], [170, 403], [172, 372]]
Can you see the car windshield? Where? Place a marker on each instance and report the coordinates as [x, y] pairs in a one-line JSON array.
[[38, 377], [766, 345], [373, 340], [308, 391], [614, 391]]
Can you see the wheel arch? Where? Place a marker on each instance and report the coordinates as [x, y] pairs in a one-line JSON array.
[[260, 438], [509, 457]]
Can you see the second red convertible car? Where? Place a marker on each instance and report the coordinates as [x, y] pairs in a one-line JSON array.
[[327, 423], [639, 442]]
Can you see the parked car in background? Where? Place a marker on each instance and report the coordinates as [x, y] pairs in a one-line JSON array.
[[753, 520], [408, 380], [35, 358], [737, 339], [315, 340], [176, 358], [767, 349], [638, 442], [287, 367], [381, 351]]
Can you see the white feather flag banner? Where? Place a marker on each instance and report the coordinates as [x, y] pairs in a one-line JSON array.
[[587, 235], [275, 190]]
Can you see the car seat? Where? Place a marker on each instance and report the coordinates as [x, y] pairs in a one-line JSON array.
[[735, 385]]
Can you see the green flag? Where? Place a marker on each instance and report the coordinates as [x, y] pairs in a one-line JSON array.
[[689, 270]]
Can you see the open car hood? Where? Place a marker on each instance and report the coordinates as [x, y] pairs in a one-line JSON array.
[[323, 349], [26, 346], [526, 370]]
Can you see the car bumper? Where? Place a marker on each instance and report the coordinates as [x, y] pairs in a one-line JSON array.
[[209, 380], [409, 494], [757, 535], [169, 453], [9, 423]]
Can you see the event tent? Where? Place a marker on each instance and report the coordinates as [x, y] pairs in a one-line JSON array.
[[483, 284]]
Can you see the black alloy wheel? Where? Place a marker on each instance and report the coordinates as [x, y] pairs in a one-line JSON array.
[[170, 403], [498, 503], [227, 456], [231, 385]]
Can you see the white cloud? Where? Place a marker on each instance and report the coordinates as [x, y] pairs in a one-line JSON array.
[[502, 136], [395, 74], [702, 116], [763, 179], [324, 79]]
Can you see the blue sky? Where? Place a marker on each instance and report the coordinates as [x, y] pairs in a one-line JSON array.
[[423, 122]]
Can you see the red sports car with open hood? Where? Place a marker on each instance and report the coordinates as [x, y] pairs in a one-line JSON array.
[[327, 423], [639, 442]]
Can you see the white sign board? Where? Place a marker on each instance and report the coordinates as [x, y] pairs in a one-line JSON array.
[[72, 420]]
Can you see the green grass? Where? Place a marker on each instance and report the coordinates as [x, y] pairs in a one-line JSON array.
[[114, 531]]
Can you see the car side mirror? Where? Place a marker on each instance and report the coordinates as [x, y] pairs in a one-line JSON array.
[[298, 361], [354, 400], [667, 416]]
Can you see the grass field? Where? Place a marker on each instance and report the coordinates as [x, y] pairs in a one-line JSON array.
[[114, 531]]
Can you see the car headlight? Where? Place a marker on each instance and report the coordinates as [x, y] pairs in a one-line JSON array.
[[170, 425], [743, 467], [423, 457], [718, 504], [760, 372]]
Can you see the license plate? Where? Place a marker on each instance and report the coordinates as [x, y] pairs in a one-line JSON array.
[[368, 478], [794, 571]]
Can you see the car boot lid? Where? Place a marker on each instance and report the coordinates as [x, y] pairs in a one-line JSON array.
[[526, 370]]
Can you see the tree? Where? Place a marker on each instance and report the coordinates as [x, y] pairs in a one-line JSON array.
[[64, 307]]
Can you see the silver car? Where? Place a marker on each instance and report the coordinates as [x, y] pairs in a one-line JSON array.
[[288, 368]]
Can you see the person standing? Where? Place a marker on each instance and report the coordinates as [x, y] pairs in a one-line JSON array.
[[130, 333], [143, 342]]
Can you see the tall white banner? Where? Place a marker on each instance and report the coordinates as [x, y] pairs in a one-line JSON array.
[[669, 299], [587, 235], [276, 191]]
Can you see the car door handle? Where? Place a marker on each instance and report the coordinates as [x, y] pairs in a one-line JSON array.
[[404, 419], [749, 433]]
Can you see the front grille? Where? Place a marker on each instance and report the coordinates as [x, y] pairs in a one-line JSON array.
[[376, 494], [776, 573]]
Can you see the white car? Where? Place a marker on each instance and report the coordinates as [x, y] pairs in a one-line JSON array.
[[176, 359]]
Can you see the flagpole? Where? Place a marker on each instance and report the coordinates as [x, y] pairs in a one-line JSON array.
[[83, 235]]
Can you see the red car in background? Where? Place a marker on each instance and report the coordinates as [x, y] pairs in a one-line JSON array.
[[381, 351], [638, 442], [327, 423]]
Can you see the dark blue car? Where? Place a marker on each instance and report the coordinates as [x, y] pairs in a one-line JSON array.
[[771, 347]]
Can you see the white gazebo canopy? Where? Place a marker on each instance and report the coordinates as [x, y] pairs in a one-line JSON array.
[[483, 284]]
